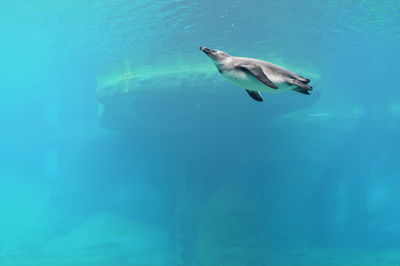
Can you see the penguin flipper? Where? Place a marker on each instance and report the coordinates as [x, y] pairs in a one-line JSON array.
[[256, 95], [258, 73]]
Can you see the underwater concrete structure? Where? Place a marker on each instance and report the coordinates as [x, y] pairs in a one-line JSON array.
[[228, 217], [182, 109]]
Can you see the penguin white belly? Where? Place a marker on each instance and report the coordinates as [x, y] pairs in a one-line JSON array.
[[249, 82]]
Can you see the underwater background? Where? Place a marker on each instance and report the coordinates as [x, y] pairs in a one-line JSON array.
[[121, 144]]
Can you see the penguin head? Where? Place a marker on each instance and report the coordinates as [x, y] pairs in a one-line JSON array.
[[217, 56]]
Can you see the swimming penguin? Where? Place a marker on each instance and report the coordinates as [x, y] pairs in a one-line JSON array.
[[256, 75]]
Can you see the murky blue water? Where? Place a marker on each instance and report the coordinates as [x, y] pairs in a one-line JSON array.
[[121, 144]]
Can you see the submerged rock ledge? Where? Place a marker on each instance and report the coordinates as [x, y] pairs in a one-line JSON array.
[[160, 97]]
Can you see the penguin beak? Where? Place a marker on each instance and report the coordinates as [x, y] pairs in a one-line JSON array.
[[206, 50]]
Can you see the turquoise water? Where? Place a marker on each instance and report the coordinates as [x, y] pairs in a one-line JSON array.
[[122, 145]]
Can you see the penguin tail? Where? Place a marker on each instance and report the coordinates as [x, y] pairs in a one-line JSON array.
[[301, 84], [303, 79]]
